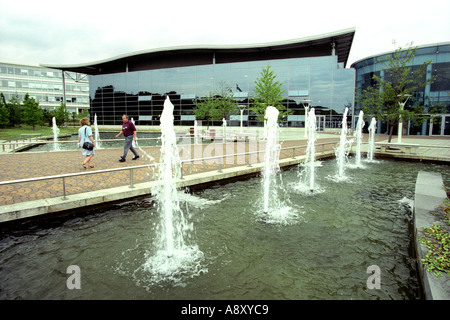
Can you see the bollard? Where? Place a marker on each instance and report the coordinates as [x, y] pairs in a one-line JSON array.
[[181, 170], [131, 178], [220, 164], [64, 189]]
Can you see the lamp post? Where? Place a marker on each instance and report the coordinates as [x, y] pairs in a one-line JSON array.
[[306, 107], [400, 122], [242, 108]]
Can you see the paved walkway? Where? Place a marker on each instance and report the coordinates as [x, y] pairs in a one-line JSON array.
[[30, 164], [38, 164]]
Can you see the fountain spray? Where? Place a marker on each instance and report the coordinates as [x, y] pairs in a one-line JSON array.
[[271, 157], [277, 207], [169, 172], [359, 136], [224, 130], [311, 150], [55, 130], [371, 150], [97, 134], [174, 257], [195, 132], [340, 152]]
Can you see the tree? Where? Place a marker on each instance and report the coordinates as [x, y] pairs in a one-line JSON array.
[[84, 114], [268, 92], [61, 114], [224, 102], [47, 117], [74, 117], [204, 108], [215, 106], [14, 109], [4, 113], [32, 112], [387, 98]]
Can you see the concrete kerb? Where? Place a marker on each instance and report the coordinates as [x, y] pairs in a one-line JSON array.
[[88, 199], [427, 198], [433, 150]]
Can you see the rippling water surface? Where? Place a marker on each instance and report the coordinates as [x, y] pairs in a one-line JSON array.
[[323, 252]]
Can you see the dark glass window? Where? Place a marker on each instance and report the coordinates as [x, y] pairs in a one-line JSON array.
[[442, 73], [142, 93]]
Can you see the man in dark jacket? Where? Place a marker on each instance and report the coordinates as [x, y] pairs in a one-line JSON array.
[[129, 132]]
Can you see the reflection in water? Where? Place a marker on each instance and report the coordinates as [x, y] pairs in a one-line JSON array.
[[342, 231]]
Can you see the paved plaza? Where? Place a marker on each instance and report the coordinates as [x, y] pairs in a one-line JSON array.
[[24, 165]]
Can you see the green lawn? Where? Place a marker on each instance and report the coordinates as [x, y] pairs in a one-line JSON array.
[[11, 133]]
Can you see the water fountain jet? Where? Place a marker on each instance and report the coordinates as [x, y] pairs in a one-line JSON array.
[[311, 150], [195, 132], [341, 154], [272, 154], [307, 174], [276, 206], [97, 134], [372, 128], [174, 254], [55, 130], [224, 130], [359, 137]]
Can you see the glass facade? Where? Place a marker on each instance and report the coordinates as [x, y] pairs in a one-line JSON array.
[[436, 94], [45, 86], [141, 94]]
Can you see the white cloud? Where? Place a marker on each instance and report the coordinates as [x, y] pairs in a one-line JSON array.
[[55, 32]]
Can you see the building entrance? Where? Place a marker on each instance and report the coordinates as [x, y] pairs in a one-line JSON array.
[[441, 126]]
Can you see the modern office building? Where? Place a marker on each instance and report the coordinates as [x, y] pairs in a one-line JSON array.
[[312, 72], [45, 85], [435, 94]]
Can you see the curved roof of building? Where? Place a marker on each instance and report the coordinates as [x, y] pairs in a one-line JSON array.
[[181, 56], [375, 57]]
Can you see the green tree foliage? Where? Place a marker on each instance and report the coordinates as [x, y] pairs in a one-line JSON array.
[[385, 100], [33, 115], [216, 106], [204, 108], [84, 114], [15, 110], [268, 92], [225, 103], [47, 117], [4, 113], [61, 114]]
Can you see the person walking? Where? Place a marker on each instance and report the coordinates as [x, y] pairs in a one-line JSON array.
[[85, 134], [130, 134]]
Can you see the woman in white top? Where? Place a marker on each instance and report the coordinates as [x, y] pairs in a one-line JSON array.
[[85, 133]]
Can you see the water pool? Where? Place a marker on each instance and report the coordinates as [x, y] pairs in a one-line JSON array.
[[322, 253]]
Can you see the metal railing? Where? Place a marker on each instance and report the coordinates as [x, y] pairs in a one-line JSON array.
[[15, 143], [132, 169], [78, 174], [248, 162]]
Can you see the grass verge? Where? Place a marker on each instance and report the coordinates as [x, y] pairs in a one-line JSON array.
[[437, 240]]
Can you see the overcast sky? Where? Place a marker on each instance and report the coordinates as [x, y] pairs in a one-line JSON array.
[[72, 32]]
